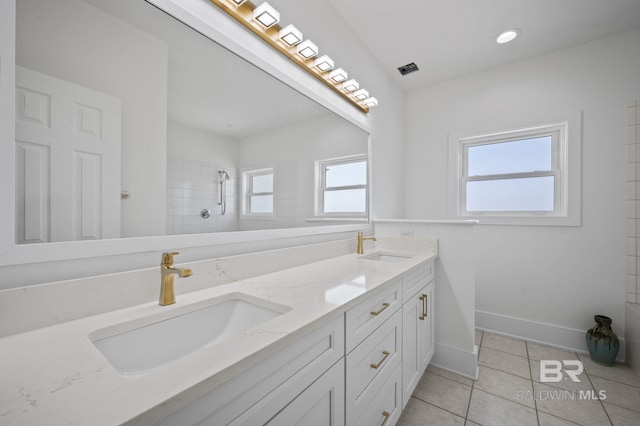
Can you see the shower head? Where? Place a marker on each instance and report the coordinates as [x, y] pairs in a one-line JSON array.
[[223, 175]]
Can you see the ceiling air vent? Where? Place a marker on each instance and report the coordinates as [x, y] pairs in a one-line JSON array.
[[406, 69]]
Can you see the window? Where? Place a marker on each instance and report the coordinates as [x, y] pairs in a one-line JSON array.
[[258, 191], [517, 177], [342, 187]]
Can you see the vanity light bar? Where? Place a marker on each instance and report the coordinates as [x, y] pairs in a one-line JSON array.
[[263, 21], [307, 49], [290, 35], [351, 85], [370, 102], [338, 75], [266, 15], [323, 63], [361, 94]]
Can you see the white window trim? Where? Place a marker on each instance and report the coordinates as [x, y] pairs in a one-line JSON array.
[[246, 174], [320, 187], [566, 165]]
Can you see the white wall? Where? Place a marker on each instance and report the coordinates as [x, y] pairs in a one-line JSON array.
[[559, 276], [103, 60]]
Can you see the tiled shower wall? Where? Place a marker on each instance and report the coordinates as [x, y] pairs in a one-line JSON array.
[[633, 201], [193, 186]]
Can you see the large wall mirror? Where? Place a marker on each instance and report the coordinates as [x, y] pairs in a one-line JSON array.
[[131, 124]]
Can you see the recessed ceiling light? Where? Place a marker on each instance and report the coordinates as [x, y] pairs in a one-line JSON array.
[[507, 36]]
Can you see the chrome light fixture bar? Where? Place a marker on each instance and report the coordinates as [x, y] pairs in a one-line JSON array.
[[262, 20]]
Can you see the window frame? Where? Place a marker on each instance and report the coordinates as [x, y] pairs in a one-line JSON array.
[[565, 169], [321, 187], [247, 191]]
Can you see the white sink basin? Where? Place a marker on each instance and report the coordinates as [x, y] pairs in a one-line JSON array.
[[387, 257], [142, 348]]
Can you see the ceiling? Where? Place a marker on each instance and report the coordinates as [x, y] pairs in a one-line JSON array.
[[452, 38]]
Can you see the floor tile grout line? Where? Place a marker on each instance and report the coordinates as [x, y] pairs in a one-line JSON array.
[[437, 406], [600, 376], [504, 352], [519, 377], [501, 397], [535, 403], [619, 406], [473, 385], [445, 377]]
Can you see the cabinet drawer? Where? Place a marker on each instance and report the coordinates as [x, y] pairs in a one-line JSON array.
[[414, 280], [386, 407], [370, 364], [363, 319]]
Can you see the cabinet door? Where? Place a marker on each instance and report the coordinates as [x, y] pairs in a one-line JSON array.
[[417, 338], [411, 348], [321, 404], [426, 326]]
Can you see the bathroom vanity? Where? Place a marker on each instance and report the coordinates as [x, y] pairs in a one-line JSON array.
[[334, 340]]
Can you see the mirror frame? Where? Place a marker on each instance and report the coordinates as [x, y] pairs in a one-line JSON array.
[[210, 21]]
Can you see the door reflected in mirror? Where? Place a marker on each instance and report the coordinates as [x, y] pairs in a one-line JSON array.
[[130, 124]]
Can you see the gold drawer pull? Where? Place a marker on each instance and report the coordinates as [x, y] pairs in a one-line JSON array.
[[386, 354], [425, 310], [384, 306], [386, 416]]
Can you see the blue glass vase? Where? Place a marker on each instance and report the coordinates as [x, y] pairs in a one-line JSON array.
[[602, 342]]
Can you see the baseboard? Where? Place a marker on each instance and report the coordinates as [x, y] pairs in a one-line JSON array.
[[553, 335], [456, 360]]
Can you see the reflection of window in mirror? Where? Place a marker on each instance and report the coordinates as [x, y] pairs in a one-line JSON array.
[[258, 190], [342, 186]]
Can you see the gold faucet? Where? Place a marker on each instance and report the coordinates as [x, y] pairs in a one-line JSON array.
[[167, 271], [361, 240]]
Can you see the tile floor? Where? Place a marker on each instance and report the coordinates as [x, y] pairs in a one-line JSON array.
[[508, 391]]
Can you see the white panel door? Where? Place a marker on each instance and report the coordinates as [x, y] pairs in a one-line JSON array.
[[67, 161]]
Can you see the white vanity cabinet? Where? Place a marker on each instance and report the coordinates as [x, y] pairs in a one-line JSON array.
[[358, 369], [305, 378], [417, 326]]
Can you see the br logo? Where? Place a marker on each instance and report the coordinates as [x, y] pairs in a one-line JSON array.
[[551, 370]]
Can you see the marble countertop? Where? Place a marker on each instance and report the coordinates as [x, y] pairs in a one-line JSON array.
[[55, 375]]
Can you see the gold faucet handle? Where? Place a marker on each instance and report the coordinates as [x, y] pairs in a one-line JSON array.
[[167, 258]]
